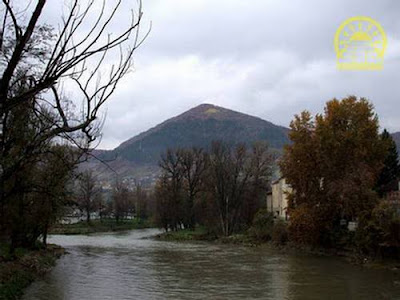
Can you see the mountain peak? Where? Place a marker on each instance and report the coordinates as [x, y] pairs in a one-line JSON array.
[[208, 111], [198, 127], [205, 106], [203, 111]]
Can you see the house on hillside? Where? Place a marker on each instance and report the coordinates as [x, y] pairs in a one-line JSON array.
[[277, 198]]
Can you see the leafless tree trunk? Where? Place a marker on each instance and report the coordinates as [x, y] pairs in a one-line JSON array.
[[194, 164], [171, 165], [87, 194], [233, 176], [36, 64], [122, 201]]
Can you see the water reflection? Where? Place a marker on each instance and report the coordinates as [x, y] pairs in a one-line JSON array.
[[209, 271], [126, 266], [329, 278]]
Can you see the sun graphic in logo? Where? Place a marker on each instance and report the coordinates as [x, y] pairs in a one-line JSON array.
[[360, 44]]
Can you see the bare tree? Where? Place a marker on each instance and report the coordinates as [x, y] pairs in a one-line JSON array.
[[171, 188], [37, 63], [88, 194], [122, 201], [227, 181], [79, 61], [234, 177], [140, 199], [261, 167], [228, 184], [193, 164], [164, 203]]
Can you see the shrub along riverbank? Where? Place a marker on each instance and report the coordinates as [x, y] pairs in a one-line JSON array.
[[103, 225], [264, 229], [17, 272], [270, 232], [248, 239]]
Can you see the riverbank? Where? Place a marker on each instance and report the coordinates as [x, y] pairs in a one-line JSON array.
[[103, 225], [16, 274], [287, 248], [201, 234]]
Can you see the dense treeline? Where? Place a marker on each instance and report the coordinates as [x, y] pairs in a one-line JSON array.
[[221, 189], [121, 202], [128, 203]]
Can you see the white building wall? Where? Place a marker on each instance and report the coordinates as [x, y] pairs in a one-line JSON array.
[[279, 198]]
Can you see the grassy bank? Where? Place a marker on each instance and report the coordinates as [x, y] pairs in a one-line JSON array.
[[104, 225], [249, 240], [201, 234], [246, 239], [28, 265]]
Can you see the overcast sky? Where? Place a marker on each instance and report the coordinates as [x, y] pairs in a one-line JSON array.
[[270, 59]]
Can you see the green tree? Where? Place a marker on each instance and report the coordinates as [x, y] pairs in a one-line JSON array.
[[379, 231], [52, 193], [42, 196], [390, 173]]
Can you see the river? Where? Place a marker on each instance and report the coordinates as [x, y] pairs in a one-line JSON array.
[[129, 265]]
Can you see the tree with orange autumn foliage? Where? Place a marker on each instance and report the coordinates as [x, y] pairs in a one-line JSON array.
[[332, 166]]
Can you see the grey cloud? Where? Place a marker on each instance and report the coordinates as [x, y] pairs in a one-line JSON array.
[[271, 59]]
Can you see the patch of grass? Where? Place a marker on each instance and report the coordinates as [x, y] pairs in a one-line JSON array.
[[27, 265], [200, 234], [103, 225]]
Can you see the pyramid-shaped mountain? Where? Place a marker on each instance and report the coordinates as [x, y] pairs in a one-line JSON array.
[[200, 126], [138, 157]]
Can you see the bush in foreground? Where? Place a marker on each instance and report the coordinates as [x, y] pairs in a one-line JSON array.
[[279, 233], [378, 233], [262, 225], [27, 265]]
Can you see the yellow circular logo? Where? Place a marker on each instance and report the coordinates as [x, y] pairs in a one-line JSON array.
[[360, 44]]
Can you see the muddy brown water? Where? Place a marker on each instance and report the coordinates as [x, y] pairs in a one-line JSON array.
[[129, 265]]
